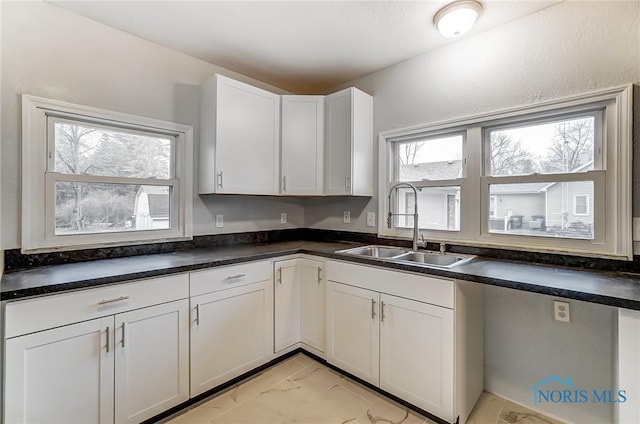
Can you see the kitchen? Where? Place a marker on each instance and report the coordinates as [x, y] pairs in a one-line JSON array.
[[564, 50]]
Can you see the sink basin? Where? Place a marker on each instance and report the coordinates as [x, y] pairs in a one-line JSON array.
[[401, 255], [433, 259], [385, 252]]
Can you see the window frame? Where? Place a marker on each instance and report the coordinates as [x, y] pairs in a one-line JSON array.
[[39, 177], [612, 237]]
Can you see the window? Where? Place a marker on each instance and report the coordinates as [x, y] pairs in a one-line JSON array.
[[581, 204], [535, 168], [435, 166], [540, 178], [96, 178]]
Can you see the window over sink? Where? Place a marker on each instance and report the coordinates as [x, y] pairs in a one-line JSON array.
[[93, 177], [540, 177]]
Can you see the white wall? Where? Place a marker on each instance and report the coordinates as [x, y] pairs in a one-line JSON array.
[[569, 48], [49, 52], [524, 345]]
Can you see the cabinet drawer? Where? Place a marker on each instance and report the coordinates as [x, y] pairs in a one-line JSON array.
[[28, 316], [230, 276], [424, 288]]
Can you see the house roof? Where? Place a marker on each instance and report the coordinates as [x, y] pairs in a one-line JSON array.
[[444, 170], [158, 205]]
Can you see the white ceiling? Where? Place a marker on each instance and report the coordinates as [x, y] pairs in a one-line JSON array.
[[300, 46]]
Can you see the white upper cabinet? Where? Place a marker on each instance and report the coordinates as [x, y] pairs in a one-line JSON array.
[[323, 145], [239, 140], [349, 143], [302, 145]]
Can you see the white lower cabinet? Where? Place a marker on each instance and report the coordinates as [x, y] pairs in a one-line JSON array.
[[416, 353], [286, 300], [123, 365], [415, 336], [299, 294], [231, 332], [151, 360], [62, 375], [353, 330], [312, 303]]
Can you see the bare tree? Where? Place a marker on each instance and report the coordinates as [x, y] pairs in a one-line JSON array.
[[572, 146], [508, 157], [407, 152], [71, 153]]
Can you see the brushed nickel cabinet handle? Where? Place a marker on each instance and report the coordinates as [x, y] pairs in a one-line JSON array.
[[373, 309], [280, 275], [123, 333], [284, 183], [220, 179], [233, 277], [382, 311], [107, 330], [319, 275], [197, 314], [117, 299]]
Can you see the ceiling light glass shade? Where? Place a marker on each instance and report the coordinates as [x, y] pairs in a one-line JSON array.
[[457, 18]]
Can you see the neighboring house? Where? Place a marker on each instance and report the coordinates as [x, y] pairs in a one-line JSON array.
[[151, 209], [443, 212], [531, 208]]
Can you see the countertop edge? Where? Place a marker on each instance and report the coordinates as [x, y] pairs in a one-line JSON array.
[[456, 273]]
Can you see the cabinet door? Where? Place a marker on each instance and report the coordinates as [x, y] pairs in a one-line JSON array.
[[338, 142], [286, 294], [247, 155], [416, 354], [302, 144], [231, 333], [62, 375], [312, 303], [152, 360], [353, 330]]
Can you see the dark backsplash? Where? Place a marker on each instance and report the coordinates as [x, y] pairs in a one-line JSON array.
[[14, 260]]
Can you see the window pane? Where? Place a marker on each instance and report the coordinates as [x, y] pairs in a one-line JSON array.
[[430, 159], [562, 209], [84, 149], [83, 208], [565, 146], [438, 208]]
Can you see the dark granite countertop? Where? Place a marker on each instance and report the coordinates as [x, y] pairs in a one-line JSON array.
[[607, 288]]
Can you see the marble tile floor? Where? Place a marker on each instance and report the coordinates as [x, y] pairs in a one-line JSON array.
[[301, 390]]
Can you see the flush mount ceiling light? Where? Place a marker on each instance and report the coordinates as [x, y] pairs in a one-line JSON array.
[[457, 18]]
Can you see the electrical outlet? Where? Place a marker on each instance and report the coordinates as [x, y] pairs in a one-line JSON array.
[[219, 221], [283, 218], [346, 217], [371, 219], [561, 311]]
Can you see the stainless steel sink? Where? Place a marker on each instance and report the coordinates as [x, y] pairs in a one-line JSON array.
[[433, 259], [386, 252], [401, 255]]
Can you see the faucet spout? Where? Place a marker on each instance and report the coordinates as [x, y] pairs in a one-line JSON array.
[[391, 214]]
